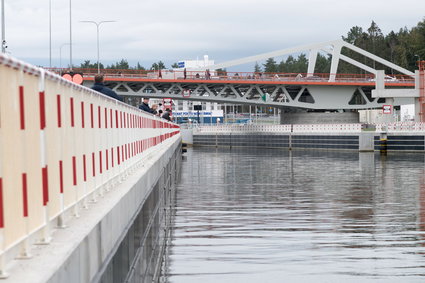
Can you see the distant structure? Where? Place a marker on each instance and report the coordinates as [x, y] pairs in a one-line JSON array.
[[196, 64]]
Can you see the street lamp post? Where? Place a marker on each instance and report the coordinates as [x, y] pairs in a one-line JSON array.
[[97, 29], [70, 34], [60, 54], [50, 33]]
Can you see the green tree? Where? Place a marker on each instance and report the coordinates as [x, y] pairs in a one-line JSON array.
[[257, 68], [88, 65], [158, 66], [323, 64], [139, 67], [121, 65], [221, 72], [270, 66], [175, 65]]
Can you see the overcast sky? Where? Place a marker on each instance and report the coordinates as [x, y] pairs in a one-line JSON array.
[[171, 30]]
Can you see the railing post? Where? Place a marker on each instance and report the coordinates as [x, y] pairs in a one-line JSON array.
[[45, 233]]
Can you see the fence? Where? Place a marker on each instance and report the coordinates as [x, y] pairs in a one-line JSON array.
[[401, 127], [239, 128], [314, 128], [61, 145]]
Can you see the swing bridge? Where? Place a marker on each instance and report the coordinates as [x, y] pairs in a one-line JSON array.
[[302, 90]]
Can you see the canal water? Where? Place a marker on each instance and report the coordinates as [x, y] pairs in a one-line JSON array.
[[264, 215]]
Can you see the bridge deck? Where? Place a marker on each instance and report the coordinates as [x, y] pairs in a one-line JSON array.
[[172, 76], [258, 81]]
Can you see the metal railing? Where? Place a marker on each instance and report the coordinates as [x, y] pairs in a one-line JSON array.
[[413, 127], [215, 76]]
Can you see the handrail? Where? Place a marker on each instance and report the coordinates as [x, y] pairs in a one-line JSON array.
[[179, 74]]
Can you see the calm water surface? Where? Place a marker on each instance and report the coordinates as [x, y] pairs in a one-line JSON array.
[[250, 215]]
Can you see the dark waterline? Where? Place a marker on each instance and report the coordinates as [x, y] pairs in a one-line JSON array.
[[250, 215]]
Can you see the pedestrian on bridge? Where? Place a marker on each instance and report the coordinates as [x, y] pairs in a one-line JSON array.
[[154, 109], [167, 115], [100, 87], [145, 105]]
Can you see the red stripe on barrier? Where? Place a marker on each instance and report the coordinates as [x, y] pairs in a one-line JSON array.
[[121, 119], [74, 170], [84, 168], [44, 175], [110, 118], [42, 110], [118, 155], [106, 118], [100, 162], [58, 102], [107, 157], [60, 177], [1, 204], [82, 114], [122, 154], [112, 156], [72, 111], [91, 115], [116, 118], [21, 107], [93, 164], [25, 193], [99, 118]]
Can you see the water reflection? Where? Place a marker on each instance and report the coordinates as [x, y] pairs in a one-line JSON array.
[[249, 215]]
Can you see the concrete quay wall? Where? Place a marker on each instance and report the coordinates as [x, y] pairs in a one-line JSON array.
[[326, 137], [120, 237]]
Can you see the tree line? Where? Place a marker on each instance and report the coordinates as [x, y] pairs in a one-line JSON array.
[[124, 65]]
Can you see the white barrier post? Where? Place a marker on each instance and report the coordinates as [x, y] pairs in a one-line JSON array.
[[45, 236]]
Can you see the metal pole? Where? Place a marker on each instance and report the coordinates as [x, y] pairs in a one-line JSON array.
[[98, 67], [70, 35], [50, 33], [97, 32], [3, 32]]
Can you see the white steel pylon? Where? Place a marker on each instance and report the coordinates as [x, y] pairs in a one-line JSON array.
[[331, 47]]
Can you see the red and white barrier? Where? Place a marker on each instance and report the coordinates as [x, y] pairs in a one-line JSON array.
[[62, 145]]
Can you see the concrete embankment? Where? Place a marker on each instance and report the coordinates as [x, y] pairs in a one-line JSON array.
[[119, 238], [327, 137]]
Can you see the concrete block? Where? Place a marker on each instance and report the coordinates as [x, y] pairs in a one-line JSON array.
[[366, 141]]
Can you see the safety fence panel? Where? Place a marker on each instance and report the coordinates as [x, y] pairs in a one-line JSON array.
[[401, 127], [244, 129], [298, 128], [327, 128], [62, 145]]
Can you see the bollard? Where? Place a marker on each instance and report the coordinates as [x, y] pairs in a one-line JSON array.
[[383, 138], [184, 147]]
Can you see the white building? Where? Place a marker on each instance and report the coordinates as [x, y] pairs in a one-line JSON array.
[[195, 64]]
